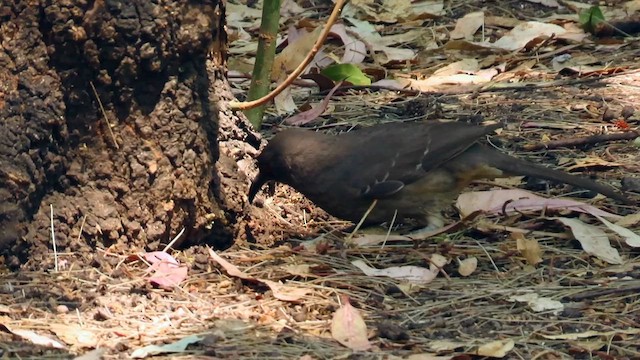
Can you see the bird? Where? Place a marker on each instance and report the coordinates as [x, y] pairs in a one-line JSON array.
[[413, 170]]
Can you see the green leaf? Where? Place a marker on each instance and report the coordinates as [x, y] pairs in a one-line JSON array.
[[346, 72], [591, 17]]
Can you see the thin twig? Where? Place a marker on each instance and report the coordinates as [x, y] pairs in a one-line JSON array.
[[104, 114], [53, 239], [373, 204]]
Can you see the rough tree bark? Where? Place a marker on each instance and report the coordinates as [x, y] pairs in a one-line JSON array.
[[181, 155]]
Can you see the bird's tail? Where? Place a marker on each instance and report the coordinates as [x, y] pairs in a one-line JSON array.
[[515, 166]]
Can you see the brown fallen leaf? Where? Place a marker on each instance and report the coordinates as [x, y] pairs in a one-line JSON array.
[[280, 291], [529, 248]]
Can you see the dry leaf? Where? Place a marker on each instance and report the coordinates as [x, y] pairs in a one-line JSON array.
[[518, 200], [280, 291], [523, 33], [592, 333], [458, 82], [373, 239], [498, 348], [348, 327], [427, 356], [167, 271], [231, 269], [308, 116], [291, 56], [467, 266], [302, 270], [438, 261], [284, 102], [458, 67], [591, 161], [632, 239], [380, 52], [467, 25], [593, 240], [505, 22], [528, 248], [171, 348], [285, 292], [413, 274], [538, 303], [393, 11], [75, 335], [548, 3], [446, 345], [95, 354], [629, 220], [355, 50], [31, 336]]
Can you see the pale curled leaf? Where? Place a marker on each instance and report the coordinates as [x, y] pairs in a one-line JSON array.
[[231, 269], [632, 239], [446, 345], [593, 240], [467, 266], [529, 248], [538, 303], [496, 349], [438, 260], [467, 25], [302, 270], [373, 239], [517, 200], [380, 52], [413, 274], [355, 50], [285, 292], [525, 32], [349, 329]]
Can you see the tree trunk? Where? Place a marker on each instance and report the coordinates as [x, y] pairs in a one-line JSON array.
[[168, 156]]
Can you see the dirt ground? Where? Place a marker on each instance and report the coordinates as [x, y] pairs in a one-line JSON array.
[[100, 297]]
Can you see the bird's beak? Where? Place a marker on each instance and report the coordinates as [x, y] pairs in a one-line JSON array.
[[256, 185]]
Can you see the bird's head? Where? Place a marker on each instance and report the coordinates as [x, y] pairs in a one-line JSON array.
[[272, 162]]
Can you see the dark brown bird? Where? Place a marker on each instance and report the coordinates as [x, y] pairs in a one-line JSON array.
[[417, 169]]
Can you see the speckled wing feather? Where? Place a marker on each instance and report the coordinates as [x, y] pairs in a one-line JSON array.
[[380, 165]]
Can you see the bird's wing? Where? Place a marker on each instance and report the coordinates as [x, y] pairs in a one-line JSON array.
[[391, 156]]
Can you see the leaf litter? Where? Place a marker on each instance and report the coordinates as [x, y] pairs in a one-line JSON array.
[[511, 80]]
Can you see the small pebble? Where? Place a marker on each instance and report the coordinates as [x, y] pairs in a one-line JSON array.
[[627, 112]]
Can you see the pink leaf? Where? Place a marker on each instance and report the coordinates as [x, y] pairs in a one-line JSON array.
[[167, 271], [310, 115], [517, 200], [348, 327]]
